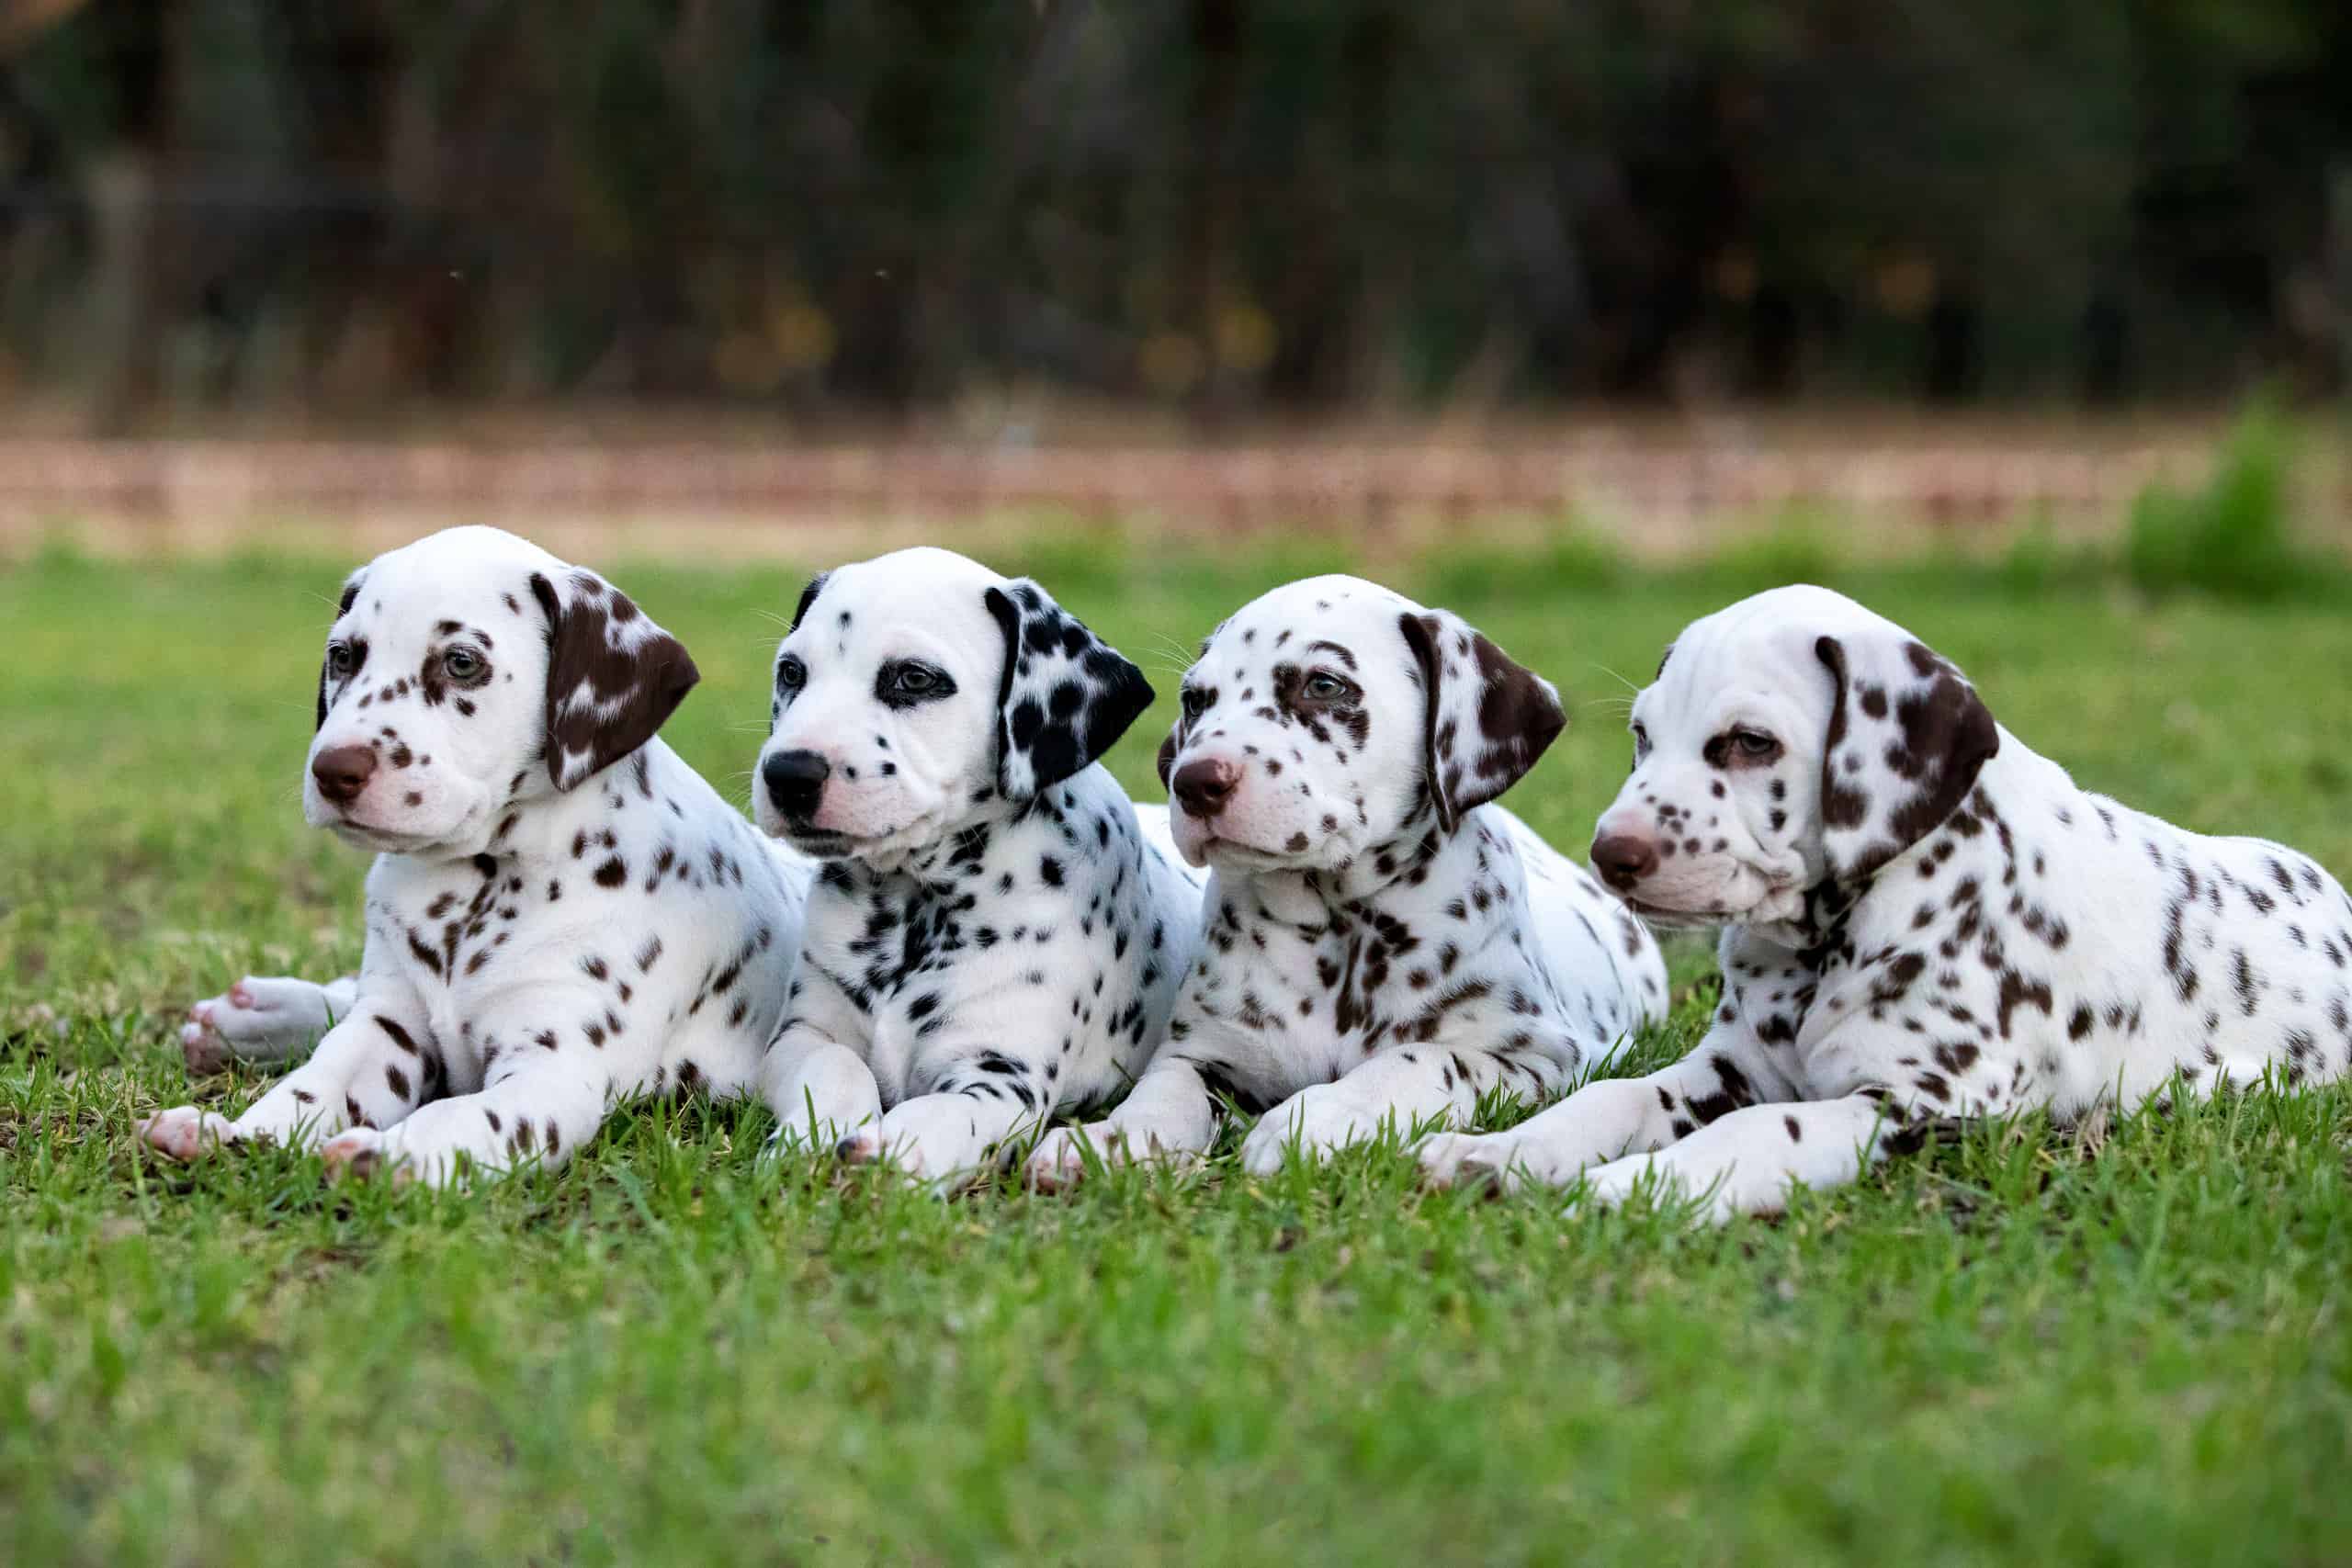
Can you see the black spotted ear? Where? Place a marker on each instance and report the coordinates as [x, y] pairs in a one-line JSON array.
[[1907, 736], [613, 677], [1067, 694], [1490, 720], [808, 597], [326, 680]]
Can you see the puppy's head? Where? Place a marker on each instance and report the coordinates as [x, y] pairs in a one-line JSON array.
[[1791, 739], [1332, 716], [470, 671], [918, 691]]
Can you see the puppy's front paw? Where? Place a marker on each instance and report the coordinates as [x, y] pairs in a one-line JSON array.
[[1484, 1162], [934, 1140], [187, 1132], [1319, 1122], [1614, 1185], [1057, 1164], [357, 1151]]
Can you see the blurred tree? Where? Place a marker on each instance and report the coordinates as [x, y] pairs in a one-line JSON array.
[[1221, 205]]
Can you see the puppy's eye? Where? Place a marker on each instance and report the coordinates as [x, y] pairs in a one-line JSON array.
[[1742, 748], [790, 674], [1196, 702], [1322, 686], [1641, 743], [339, 660], [463, 665], [908, 683]]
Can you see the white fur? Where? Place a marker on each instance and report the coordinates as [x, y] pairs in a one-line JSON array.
[[992, 939], [534, 953], [1888, 963], [1379, 946]]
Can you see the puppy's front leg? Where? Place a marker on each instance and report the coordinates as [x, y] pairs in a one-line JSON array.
[[371, 1070], [820, 1091], [1170, 1113], [542, 1104], [1604, 1120], [1745, 1163], [949, 1137], [1396, 1087]]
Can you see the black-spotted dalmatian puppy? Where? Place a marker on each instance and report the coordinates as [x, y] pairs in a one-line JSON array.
[[1923, 919], [561, 913], [1380, 944], [997, 930]]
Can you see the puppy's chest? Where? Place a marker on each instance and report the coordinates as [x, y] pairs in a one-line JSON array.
[[452, 926], [1373, 975], [497, 921]]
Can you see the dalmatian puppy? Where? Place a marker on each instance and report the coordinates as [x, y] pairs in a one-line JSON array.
[[1381, 944], [996, 931], [561, 913], [1923, 919]]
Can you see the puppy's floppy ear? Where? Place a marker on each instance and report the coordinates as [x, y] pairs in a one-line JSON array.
[[343, 607], [808, 597], [1907, 736], [1067, 695], [613, 677], [1490, 720]]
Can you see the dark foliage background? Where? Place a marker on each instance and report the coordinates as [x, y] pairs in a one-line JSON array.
[[1222, 206]]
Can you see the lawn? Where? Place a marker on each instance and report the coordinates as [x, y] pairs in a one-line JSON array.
[[2122, 1344]]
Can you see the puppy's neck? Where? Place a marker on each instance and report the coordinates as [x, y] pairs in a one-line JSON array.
[[939, 860], [645, 792], [1416, 867]]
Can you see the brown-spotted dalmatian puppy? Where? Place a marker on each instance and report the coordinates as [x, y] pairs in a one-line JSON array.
[[561, 913], [1380, 944], [1923, 919], [997, 930]]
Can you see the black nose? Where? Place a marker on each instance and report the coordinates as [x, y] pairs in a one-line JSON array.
[[1203, 785], [1624, 859], [795, 782]]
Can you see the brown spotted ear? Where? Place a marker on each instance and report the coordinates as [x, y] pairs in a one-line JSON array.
[[1907, 736], [613, 677], [328, 683], [1066, 696], [1490, 720]]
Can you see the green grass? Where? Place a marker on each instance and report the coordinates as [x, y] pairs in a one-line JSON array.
[[2030, 1344]]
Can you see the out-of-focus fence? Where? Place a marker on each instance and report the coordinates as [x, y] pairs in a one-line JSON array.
[[1652, 494]]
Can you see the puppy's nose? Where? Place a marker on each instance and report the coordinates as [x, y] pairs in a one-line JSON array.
[[342, 772], [1203, 785], [796, 781], [1624, 859]]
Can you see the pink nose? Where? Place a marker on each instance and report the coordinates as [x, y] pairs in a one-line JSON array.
[[1623, 857]]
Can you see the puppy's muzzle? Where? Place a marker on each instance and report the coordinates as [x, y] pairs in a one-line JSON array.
[[1203, 785], [796, 783], [1624, 859], [342, 772]]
